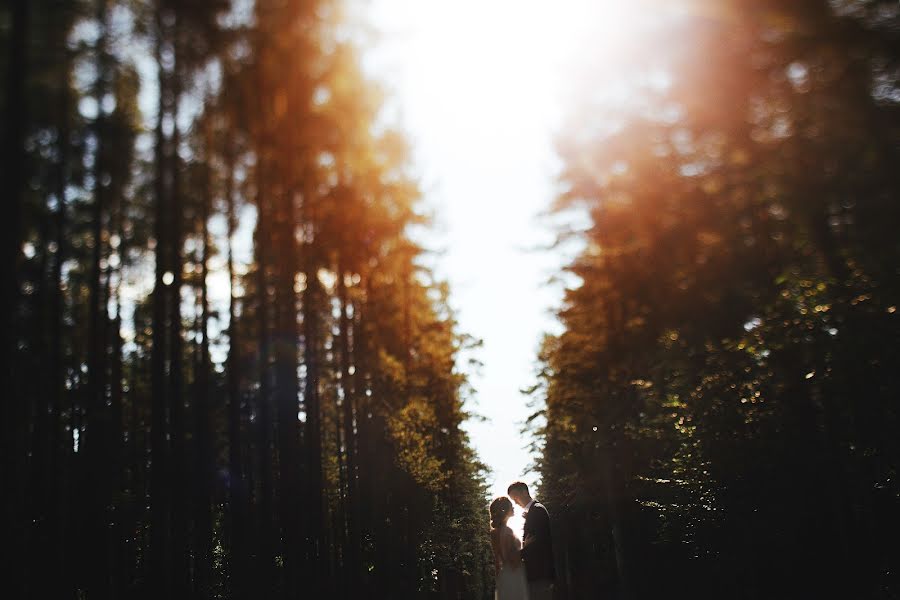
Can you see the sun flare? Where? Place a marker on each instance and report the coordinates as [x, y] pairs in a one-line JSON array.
[[498, 63], [481, 86]]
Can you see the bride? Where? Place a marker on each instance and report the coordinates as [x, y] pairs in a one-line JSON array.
[[510, 572]]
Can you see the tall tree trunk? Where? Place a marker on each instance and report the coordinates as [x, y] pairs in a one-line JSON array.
[[286, 397], [617, 530], [122, 540], [313, 429], [237, 488], [337, 532], [56, 524], [609, 470], [139, 508], [370, 486], [266, 553], [95, 485], [38, 471], [120, 555], [179, 472], [351, 552], [160, 499], [14, 172], [203, 448]]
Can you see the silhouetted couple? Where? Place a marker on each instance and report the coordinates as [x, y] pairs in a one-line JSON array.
[[524, 568]]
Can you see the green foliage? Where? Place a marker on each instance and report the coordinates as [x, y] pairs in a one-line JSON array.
[[721, 407]]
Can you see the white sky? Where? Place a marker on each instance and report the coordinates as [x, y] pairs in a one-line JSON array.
[[476, 86]]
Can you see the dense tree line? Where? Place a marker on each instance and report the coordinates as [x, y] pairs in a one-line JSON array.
[[182, 419], [722, 407]]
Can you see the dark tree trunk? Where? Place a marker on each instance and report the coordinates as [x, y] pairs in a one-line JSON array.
[[266, 541], [203, 527], [179, 472], [617, 529], [14, 164], [286, 398], [337, 532], [160, 499], [313, 429], [37, 536], [609, 470], [369, 468], [95, 487], [121, 557], [237, 488], [56, 524], [122, 540], [351, 552]]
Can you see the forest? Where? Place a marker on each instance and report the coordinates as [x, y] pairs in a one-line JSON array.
[[722, 409], [227, 371], [300, 438]]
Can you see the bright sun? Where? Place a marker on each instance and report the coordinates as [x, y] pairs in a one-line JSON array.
[[497, 61]]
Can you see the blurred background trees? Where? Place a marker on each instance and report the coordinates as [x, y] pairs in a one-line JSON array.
[[225, 371], [721, 409]]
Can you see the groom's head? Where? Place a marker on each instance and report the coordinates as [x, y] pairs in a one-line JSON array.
[[518, 491]]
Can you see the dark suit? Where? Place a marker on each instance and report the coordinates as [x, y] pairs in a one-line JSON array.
[[537, 552]]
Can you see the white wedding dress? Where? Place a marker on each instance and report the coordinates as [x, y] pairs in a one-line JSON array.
[[511, 583]]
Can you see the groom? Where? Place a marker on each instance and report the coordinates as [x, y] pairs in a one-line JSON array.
[[537, 547]]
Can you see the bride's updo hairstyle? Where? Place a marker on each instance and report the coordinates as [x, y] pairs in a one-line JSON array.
[[501, 508]]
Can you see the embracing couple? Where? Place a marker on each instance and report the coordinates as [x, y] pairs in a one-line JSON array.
[[524, 568]]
